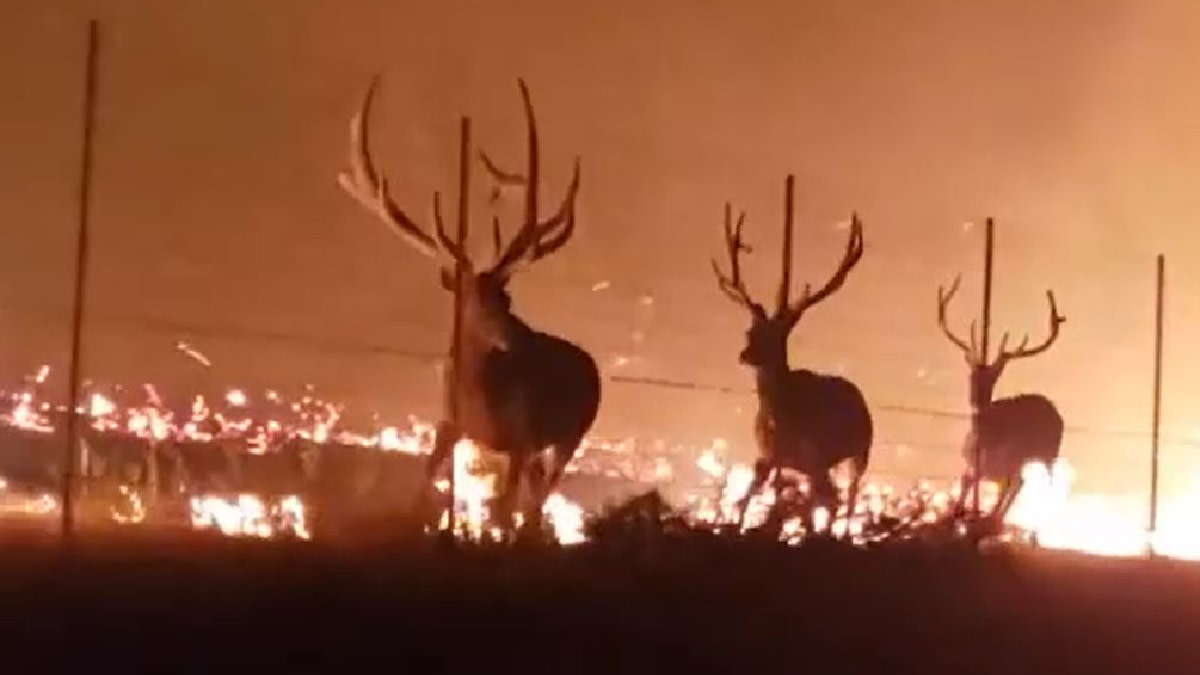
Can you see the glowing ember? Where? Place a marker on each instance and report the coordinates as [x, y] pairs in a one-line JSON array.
[[25, 416], [473, 489], [148, 423], [418, 442], [710, 464], [131, 513], [820, 518], [193, 353], [736, 484], [101, 406], [567, 519], [248, 516]]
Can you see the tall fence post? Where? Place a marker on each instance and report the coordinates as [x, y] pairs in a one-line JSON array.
[[81, 264], [989, 246], [1156, 411], [460, 272]]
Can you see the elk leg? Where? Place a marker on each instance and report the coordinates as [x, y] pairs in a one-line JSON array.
[[1008, 495], [779, 483], [964, 489], [538, 477], [855, 483], [445, 438], [762, 470], [512, 488], [562, 457], [780, 509], [542, 482], [823, 494]]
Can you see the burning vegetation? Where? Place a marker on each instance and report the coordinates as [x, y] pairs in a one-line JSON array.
[[270, 466]]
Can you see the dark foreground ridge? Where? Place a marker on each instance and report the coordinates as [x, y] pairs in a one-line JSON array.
[[170, 602]]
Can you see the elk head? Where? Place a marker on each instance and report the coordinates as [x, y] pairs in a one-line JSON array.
[[766, 339], [984, 373], [486, 301]]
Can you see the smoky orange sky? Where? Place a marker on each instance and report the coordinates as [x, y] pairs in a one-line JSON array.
[[217, 220]]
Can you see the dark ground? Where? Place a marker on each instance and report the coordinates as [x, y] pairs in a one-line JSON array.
[[168, 603]]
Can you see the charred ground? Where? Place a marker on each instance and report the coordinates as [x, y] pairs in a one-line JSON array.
[[673, 603]]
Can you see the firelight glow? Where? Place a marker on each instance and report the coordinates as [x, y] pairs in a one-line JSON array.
[[1047, 509]]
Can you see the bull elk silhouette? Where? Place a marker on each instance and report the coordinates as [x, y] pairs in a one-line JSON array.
[[520, 391], [1006, 433], [806, 421]]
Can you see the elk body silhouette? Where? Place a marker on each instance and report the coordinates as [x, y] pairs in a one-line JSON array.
[[1005, 433], [806, 421], [520, 391]]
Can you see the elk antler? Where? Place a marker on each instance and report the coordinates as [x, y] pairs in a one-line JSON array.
[[733, 285], [535, 239], [369, 188], [854, 252], [1023, 349], [944, 297]]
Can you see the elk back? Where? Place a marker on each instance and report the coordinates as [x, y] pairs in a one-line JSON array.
[[544, 386], [1016, 430], [826, 413]]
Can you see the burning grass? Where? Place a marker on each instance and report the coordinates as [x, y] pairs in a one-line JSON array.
[[307, 440]]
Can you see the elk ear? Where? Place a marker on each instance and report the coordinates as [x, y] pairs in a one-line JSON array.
[[447, 279]]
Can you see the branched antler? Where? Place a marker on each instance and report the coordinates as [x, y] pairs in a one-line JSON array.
[[503, 178], [1004, 354], [1023, 349], [854, 253], [786, 311], [369, 188], [945, 295], [732, 285], [536, 238]]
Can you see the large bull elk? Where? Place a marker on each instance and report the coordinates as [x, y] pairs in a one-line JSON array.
[[1005, 433], [806, 421], [520, 391]]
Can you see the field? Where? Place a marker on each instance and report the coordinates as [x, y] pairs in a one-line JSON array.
[[170, 601], [655, 599]]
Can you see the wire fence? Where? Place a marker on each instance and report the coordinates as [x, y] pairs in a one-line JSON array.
[[917, 441], [176, 328]]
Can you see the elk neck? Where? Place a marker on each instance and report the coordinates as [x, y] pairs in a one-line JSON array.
[[771, 378], [982, 386], [477, 347]]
